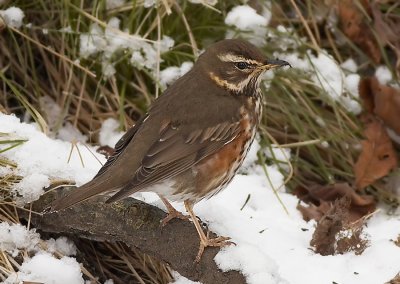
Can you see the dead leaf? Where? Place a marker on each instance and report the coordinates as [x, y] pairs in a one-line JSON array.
[[366, 94], [106, 150], [387, 29], [321, 197], [395, 280], [313, 212], [378, 156], [334, 233], [397, 241], [355, 27], [384, 101]]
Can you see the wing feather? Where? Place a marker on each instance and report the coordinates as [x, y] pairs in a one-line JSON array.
[[177, 151], [120, 146]]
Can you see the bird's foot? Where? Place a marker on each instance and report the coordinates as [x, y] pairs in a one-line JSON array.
[[172, 214], [215, 242]]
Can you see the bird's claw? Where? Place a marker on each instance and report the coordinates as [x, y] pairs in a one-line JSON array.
[[215, 242], [172, 215]]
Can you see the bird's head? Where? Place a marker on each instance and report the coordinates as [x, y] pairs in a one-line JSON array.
[[236, 65]]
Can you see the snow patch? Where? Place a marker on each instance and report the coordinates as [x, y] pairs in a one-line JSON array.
[[47, 269], [383, 74], [12, 17], [16, 237], [109, 132], [327, 74], [31, 187], [112, 4], [250, 24], [245, 18], [144, 53], [172, 73], [62, 245], [41, 159], [179, 279], [349, 65]]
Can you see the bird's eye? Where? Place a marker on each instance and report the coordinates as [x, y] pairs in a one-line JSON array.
[[241, 65]]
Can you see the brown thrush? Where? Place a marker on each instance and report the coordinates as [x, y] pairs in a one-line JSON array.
[[194, 137]]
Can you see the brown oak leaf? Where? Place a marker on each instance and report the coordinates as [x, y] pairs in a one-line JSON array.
[[321, 197], [354, 25], [378, 156], [384, 101], [387, 27]]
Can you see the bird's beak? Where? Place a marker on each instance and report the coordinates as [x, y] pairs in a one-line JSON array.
[[274, 63]]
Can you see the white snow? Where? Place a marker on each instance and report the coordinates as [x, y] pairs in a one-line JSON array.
[[349, 65], [47, 269], [31, 186], [207, 2], [328, 75], [149, 3], [172, 73], [105, 42], [42, 266], [249, 24], [62, 245], [92, 42], [351, 84], [70, 134], [111, 4], [383, 74], [109, 133], [14, 237], [179, 279], [244, 18], [12, 17], [41, 159]]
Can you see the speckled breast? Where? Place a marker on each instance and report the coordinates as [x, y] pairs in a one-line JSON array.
[[215, 172]]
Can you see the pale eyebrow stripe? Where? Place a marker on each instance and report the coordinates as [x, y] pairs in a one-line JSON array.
[[229, 57]]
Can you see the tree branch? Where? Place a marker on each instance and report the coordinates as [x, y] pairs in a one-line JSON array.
[[136, 224]]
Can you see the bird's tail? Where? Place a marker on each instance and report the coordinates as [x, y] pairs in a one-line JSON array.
[[79, 195]]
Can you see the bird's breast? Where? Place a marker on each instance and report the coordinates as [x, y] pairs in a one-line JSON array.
[[214, 173]]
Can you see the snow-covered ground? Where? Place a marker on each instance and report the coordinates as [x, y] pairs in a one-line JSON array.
[[272, 246]]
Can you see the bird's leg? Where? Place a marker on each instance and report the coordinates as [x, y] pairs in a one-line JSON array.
[[172, 212], [205, 241]]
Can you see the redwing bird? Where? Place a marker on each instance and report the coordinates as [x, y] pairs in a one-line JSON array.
[[194, 137]]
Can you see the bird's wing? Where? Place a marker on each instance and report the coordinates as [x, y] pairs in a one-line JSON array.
[[121, 146], [176, 151]]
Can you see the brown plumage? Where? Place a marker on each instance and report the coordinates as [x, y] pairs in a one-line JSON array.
[[194, 137]]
